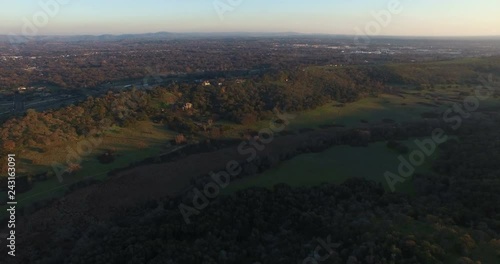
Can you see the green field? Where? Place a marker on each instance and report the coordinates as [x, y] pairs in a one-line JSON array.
[[405, 106], [335, 165], [371, 109]]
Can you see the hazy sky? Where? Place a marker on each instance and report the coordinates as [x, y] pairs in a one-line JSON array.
[[417, 17]]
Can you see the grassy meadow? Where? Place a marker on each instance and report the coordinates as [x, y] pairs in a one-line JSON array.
[[335, 165]]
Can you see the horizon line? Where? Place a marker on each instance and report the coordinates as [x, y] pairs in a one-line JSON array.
[[250, 32]]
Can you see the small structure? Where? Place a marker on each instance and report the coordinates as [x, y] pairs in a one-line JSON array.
[[187, 106]]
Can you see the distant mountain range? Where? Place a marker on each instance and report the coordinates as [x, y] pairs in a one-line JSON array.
[[173, 35], [146, 36]]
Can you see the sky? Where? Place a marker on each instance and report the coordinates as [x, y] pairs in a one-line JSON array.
[[351, 17]]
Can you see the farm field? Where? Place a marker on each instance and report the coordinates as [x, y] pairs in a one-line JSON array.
[[335, 165]]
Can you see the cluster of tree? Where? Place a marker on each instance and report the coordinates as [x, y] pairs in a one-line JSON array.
[[69, 123], [240, 102], [249, 101]]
